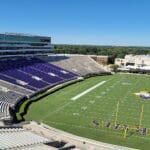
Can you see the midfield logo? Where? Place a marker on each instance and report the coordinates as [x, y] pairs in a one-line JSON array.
[[144, 95]]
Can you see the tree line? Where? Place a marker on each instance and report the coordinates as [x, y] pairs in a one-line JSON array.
[[115, 51]]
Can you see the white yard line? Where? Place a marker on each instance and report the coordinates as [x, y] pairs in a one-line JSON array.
[[87, 91]]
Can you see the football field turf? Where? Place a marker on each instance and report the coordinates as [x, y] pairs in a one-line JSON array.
[[86, 107]]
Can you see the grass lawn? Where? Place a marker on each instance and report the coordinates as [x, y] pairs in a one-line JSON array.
[[100, 104]]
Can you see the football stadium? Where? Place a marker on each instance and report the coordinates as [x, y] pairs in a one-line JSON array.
[[68, 101]]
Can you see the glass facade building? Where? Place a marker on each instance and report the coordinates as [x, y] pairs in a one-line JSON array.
[[11, 43]]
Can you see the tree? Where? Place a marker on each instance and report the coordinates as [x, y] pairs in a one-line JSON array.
[[114, 67]]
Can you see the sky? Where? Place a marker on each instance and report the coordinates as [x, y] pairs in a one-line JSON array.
[[96, 22]]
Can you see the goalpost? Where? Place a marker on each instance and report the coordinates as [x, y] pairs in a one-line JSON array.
[[117, 110], [141, 115]]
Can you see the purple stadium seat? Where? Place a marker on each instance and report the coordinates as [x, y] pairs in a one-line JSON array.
[[33, 73]]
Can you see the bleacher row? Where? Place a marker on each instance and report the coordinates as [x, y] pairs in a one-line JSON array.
[[17, 138], [23, 77], [10, 97], [33, 74], [15, 88], [4, 109], [79, 64]]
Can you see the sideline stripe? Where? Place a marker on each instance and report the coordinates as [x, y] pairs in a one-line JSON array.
[[87, 91]]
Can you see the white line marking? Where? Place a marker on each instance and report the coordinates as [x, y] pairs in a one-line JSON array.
[[87, 91]]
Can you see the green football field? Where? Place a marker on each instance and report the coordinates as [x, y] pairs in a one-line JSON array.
[[86, 107]]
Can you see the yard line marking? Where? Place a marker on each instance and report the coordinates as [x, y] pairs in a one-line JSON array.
[[87, 91], [57, 110]]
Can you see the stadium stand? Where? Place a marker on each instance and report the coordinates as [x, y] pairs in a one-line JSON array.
[[12, 138], [80, 64], [10, 97], [24, 77], [4, 109], [15, 88], [20, 138], [33, 74]]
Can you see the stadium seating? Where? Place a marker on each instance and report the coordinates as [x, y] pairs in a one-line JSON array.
[[15, 88], [18, 138], [4, 109], [33, 74], [23, 77], [10, 97], [79, 64], [7, 100]]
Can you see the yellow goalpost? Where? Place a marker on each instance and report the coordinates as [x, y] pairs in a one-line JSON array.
[[117, 110]]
